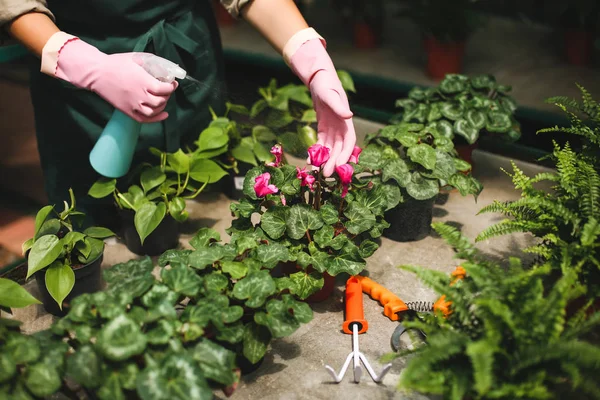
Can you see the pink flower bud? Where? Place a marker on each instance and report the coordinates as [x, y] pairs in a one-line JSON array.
[[277, 151], [307, 178], [262, 187], [354, 156], [345, 173], [318, 155]]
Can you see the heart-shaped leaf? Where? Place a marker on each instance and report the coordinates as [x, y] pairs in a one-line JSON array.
[[12, 295], [256, 342], [451, 111], [397, 170], [41, 380], [151, 178], [273, 221], [147, 219], [179, 161], [302, 284], [476, 118], [174, 258], [204, 170], [283, 317], [444, 128], [236, 269], [360, 219], [498, 122], [43, 253], [60, 280], [133, 277], [205, 256], [423, 154], [120, 339], [272, 254], [101, 188], [98, 232], [250, 181], [181, 279], [420, 188], [255, 288], [302, 219], [329, 214], [463, 128], [216, 362], [84, 367], [212, 138]]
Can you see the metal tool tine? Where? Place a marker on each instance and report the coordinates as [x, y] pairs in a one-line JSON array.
[[338, 377], [376, 378]]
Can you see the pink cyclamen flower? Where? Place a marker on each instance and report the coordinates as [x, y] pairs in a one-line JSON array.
[[354, 156], [277, 151], [307, 178], [283, 200], [345, 173], [318, 155], [262, 187]]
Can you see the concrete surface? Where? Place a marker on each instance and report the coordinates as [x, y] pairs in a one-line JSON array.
[[294, 367]]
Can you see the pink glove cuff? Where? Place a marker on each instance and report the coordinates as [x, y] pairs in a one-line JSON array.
[[309, 59], [51, 51], [298, 40]]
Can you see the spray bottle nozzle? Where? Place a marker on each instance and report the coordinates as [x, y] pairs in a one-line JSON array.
[[160, 68]]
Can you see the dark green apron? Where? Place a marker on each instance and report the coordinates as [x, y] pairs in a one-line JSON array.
[[70, 120]]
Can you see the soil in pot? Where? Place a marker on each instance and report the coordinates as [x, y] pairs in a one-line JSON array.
[[579, 46], [163, 238], [88, 279], [443, 57], [411, 220]]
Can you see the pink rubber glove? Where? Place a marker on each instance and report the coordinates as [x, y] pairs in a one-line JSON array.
[[118, 78], [311, 63]]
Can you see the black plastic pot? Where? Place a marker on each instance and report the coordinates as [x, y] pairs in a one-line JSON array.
[[233, 185], [88, 279], [163, 238], [411, 220], [245, 366]]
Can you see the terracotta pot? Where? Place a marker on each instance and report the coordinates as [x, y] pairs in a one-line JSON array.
[[465, 151], [365, 37], [443, 58], [328, 284], [223, 17], [579, 46]]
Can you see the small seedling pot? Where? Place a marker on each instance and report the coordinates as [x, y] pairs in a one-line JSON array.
[[163, 238], [443, 58], [411, 220], [88, 279]]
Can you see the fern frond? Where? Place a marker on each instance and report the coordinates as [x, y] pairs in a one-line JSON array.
[[481, 354], [582, 326], [590, 232], [590, 106], [454, 238], [584, 355], [545, 176], [591, 195], [505, 227]]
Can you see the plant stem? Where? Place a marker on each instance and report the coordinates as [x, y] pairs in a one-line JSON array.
[[308, 237], [115, 192], [197, 192], [126, 202], [187, 179]]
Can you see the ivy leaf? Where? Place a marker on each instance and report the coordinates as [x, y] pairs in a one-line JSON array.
[[236, 269], [182, 280], [255, 288], [84, 367], [178, 377], [204, 237], [283, 317], [423, 154], [421, 188], [60, 280], [273, 221], [120, 339], [174, 257], [205, 256], [397, 170], [360, 219], [329, 214], [13, 295], [302, 284], [148, 217], [133, 277], [463, 128], [43, 253], [101, 188], [302, 219], [216, 362], [272, 254], [41, 380], [256, 342]]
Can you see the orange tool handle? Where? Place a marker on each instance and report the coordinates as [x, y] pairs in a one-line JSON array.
[[392, 305], [442, 304], [354, 307]]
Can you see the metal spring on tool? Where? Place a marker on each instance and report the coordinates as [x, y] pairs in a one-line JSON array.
[[420, 306]]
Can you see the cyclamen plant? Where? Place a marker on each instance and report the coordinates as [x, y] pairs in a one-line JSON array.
[[329, 224]]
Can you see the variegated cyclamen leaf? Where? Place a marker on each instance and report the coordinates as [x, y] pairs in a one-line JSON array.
[[255, 288], [174, 257], [421, 188], [22, 349], [371, 158], [235, 269], [256, 342], [283, 317], [463, 128], [8, 368], [302, 284], [444, 167], [498, 122], [476, 118], [302, 219], [120, 339], [84, 367], [483, 82], [348, 261], [157, 294], [272, 254], [452, 111], [396, 170], [444, 128], [451, 85], [205, 256], [42, 380], [329, 214], [423, 154], [273, 221], [204, 237], [216, 362], [133, 277], [360, 218]]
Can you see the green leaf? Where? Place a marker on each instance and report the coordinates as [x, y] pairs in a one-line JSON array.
[[41, 217], [84, 367], [212, 138], [263, 134], [101, 188], [22, 349], [216, 362], [236, 269], [371, 157], [261, 152], [255, 288], [481, 354], [60, 280], [461, 165], [237, 108], [420, 188], [41, 380], [444, 128], [465, 184], [360, 219], [450, 85], [256, 342], [346, 80], [181, 279], [179, 161], [273, 221], [329, 214], [244, 153], [483, 82], [444, 167], [12, 295], [177, 209], [133, 277], [348, 261], [98, 232], [277, 119], [148, 217], [423, 154], [397, 170], [120, 339], [498, 122], [43, 253], [249, 182], [258, 107], [463, 128], [367, 248], [302, 284], [151, 178], [283, 317], [157, 294], [161, 332], [204, 237], [50, 227], [302, 219], [392, 195], [205, 256], [475, 118], [7, 368], [203, 170], [589, 233], [27, 245], [272, 254], [451, 111]]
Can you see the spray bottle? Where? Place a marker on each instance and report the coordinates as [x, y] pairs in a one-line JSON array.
[[113, 152]]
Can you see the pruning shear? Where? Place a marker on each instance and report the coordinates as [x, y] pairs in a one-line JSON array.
[[394, 307]]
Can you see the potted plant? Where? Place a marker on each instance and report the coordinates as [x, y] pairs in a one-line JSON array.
[[506, 336], [282, 115], [64, 260], [418, 160], [329, 225], [152, 209], [366, 19], [445, 28], [464, 108], [568, 215]]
